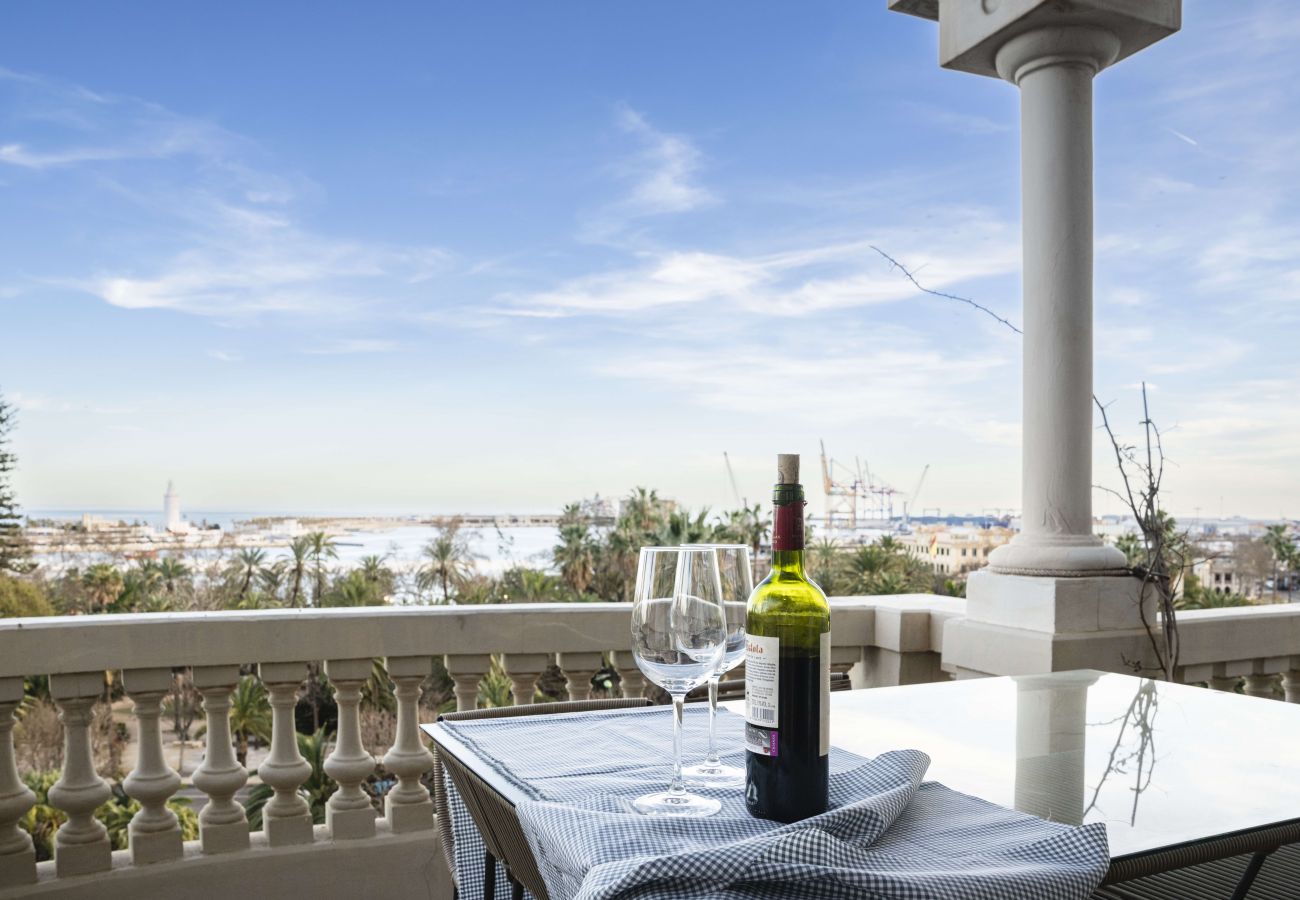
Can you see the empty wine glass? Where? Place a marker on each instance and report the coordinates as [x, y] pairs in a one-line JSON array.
[[735, 584], [678, 637]]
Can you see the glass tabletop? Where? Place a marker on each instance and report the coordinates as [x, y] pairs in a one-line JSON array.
[[1160, 764]]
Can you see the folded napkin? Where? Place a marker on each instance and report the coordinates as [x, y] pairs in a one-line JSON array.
[[887, 835]]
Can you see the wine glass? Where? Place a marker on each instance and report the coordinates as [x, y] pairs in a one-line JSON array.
[[735, 584], [678, 636]]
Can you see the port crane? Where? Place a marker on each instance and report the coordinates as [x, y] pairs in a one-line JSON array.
[[854, 496]]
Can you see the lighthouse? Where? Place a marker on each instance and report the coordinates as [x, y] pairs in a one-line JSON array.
[[172, 510]]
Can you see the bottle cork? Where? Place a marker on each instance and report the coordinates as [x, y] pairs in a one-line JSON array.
[[787, 468]]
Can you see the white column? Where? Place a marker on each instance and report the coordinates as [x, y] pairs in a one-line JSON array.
[[286, 818], [348, 812], [154, 834], [223, 824], [1051, 737], [17, 856], [81, 844], [408, 806], [1054, 68]]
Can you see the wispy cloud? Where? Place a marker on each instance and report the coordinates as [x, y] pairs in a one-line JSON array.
[[798, 281], [226, 241], [225, 356]]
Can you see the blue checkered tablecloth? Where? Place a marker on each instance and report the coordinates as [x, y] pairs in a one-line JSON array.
[[887, 835]]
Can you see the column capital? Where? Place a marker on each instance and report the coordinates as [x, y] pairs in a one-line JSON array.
[[972, 32]]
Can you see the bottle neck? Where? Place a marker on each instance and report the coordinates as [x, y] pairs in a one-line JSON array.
[[787, 529]]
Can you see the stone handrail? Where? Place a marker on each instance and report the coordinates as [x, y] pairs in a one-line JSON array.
[[896, 639]]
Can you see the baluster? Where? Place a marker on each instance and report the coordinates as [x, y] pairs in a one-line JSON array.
[[466, 671], [1227, 683], [223, 824], [629, 675], [349, 814], [17, 856], [81, 844], [408, 807], [154, 833], [1262, 685], [286, 818], [578, 670], [1291, 685], [524, 669]]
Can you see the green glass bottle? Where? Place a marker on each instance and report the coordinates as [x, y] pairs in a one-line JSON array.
[[787, 672]]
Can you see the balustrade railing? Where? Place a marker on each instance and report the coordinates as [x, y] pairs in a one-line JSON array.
[[279, 648], [878, 640]]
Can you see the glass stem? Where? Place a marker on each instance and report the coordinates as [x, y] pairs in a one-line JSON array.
[[712, 757], [679, 706]]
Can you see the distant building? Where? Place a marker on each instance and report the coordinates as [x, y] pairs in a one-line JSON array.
[[172, 511], [954, 551]]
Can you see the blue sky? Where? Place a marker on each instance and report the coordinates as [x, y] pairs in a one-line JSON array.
[[502, 255]]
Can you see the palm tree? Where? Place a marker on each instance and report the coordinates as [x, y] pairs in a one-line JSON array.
[[450, 559], [103, 583], [250, 715], [300, 547], [866, 566], [576, 556], [247, 563], [322, 548], [682, 528], [643, 509], [826, 563], [270, 580], [170, 571]]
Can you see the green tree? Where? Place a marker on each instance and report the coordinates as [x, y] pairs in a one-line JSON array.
[[1277, 540], [322, 548], [521, 585], [250, 715], [247, 564], [171, 572], [13, 546], [354, 589], [374, 570], [575, 554], [103, 584], [271, 580], [300, 548], [449, 559], [22, 598]]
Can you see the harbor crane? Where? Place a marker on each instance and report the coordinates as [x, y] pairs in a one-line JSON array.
[[910, 502]]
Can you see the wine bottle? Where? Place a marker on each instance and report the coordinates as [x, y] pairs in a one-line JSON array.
[[787, 672]]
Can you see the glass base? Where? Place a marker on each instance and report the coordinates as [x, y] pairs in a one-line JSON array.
[[714, 775], [669, 803]]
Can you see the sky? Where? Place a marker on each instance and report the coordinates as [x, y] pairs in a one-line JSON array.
[[436, 257]]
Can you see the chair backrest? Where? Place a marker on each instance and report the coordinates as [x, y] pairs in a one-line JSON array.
[[494, 817]]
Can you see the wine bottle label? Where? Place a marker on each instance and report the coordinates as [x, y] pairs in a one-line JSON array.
[[826, 694], [762, 683]]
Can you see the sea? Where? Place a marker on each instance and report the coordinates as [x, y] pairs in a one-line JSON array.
[[495, 549]]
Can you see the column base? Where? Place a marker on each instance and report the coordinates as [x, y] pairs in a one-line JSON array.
[[404, 817], [1023, 625], [350, 824], [228, 837], [18, 868], [154, 846], [1061, 556], [283, 831], [82, 859]]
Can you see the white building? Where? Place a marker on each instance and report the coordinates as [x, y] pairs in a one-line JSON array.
[[172, 511]]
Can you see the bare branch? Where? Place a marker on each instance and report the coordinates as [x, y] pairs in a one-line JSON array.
[[933, 293]]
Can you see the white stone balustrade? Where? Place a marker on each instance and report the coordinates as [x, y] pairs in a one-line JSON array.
[[879, 640], [286, 818], [154, 832]]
